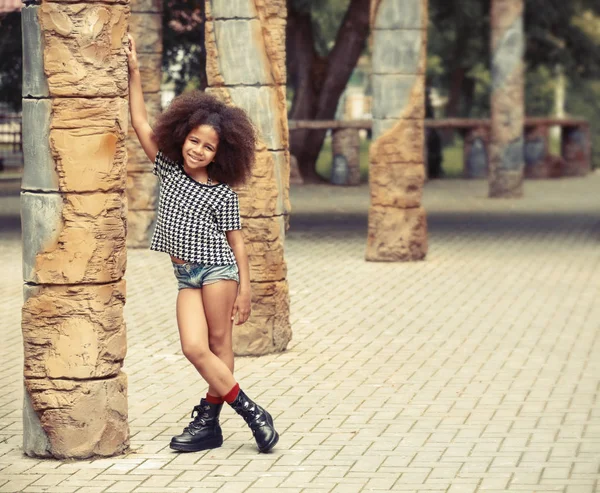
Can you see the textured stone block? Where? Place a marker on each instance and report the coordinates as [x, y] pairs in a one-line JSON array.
[[150, 71], [79, 419], [142, 191], [74, 332], [345, 148], [35, 440], [83, 49], [264, 243], [476, 152], [536, 151], [41, 224], [89, 159], [506, 184], [147, 31], [267, 108], [397, 184], [153, 106], [400, 51], [245, 51], [230, 9], [242, 54], [139, 228], [576, 151], [73, 239], [282, 179], [402, 143], [264, 195], [34, 78], [508, 156], [398, 96], [503, 13], [268, 330], [392, 14], [146, 6], [382, 126], [40, 173], [396, 234], [137, 161], [75, 113], [74, 144], [508, 47]]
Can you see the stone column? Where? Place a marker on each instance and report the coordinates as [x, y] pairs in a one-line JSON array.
[[507, 99], [345, 148], [73, 220], [576, 149], [142, 186], [245, 66], [475, 152], [397, 221], [535, 151]]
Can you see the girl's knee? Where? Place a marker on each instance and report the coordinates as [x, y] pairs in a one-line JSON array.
[[220, 344], [195, 353]]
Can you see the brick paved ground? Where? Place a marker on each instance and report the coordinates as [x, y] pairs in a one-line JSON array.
[[476, 370]]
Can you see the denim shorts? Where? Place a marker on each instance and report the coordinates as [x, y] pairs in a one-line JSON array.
[[191, 275]]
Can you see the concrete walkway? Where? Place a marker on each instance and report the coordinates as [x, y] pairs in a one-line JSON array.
[[477, 370]]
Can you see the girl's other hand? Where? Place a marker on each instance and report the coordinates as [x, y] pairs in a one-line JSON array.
[[241, 307], [132, 60]]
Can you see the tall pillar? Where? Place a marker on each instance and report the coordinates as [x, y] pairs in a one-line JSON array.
[[507, 160], [397, 221], [245, 66], [145, 25], [73, 220]]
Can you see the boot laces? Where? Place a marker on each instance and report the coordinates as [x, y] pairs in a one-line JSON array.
[[200, 416]]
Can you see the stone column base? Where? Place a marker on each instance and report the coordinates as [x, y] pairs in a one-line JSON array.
[[507, 185], [397, 234]]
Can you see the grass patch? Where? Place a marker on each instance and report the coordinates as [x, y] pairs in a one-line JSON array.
[[452, 159]]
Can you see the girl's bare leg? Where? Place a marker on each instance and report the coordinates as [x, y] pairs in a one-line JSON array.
[[193, 332], [218, 299]]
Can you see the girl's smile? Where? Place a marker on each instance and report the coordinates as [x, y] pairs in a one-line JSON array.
[[199, 150]]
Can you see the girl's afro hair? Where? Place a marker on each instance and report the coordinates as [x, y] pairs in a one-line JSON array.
[[237, 137]]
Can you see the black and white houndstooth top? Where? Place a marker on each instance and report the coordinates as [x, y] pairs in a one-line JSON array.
[[192, 217]]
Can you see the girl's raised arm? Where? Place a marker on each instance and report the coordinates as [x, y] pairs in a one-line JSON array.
[[137, 107]]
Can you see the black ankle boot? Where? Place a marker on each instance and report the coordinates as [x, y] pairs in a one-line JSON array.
[[259, 421], [203, 432]]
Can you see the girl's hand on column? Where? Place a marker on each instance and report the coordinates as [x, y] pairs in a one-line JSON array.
[[130, 49], [241, 308]]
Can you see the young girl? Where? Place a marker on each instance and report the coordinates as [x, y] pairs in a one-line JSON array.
[[199, 148]]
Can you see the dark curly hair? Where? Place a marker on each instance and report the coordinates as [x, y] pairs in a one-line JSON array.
[[237, 136]]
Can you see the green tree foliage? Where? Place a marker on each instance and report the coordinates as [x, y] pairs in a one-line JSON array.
[[10, 60], [184, 57], [557, 33]]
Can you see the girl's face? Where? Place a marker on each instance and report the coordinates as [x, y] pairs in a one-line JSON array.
[[200, 147]]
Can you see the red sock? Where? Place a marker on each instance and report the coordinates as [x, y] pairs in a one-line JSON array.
[[232, 394], [214, 399]]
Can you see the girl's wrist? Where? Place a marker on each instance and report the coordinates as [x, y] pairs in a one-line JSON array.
[[245, 289]]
